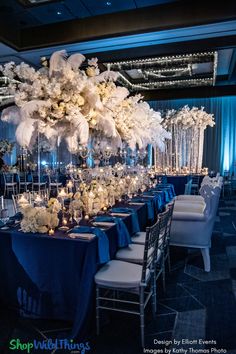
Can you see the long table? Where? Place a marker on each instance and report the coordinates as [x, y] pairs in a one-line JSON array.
[[51, 277]]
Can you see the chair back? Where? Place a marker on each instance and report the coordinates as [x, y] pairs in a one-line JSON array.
[[22, 177], [150, 245], [163, 229], [8, 177], [170, 207], [2, 202]]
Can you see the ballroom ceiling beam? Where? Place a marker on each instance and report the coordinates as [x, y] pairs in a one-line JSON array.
[[196, 92], [156, 18]]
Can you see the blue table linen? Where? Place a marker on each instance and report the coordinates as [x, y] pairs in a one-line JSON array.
[[149, 204], [103, 243], [134, 216], [123, 234]]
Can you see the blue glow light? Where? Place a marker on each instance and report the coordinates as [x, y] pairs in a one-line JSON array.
[[44, 163]]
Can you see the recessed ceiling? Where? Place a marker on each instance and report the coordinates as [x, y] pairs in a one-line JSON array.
[[29, 13], [187, 70]]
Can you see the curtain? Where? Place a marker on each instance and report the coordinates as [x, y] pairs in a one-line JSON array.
[[219, 152]]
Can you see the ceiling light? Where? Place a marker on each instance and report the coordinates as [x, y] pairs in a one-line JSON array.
[[108, 3], [59, 13]]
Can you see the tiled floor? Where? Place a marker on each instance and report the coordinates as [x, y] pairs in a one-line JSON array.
[[196, 306]]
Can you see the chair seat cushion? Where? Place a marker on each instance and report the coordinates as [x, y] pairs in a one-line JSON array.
[[139, 238], [25, 183], [11, 184], [189, 207], [133, 253], [55, 184], [120, 275]]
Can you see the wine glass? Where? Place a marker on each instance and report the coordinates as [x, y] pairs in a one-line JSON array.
[[77, 216]]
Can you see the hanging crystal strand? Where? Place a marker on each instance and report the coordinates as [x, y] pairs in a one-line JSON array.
[[197, 148], [172, 141], [39, 164], [181, 149], [189, 133], [200, 151], [184, 149], [175, 146]]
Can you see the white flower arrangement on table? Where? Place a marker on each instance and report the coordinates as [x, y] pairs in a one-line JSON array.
[[40, 219], [65, 101], [6, 146], [187, 127], [187, 118]]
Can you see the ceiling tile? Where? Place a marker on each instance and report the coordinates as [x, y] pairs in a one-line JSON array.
[[77, 8], [108, 6], [51, 13], [26, 19]]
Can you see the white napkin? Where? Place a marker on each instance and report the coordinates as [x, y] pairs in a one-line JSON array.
[[120, 214], [84, 236], [103, 223], [137, 203]]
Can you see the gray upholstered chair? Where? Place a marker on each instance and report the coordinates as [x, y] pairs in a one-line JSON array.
[[192, 223]]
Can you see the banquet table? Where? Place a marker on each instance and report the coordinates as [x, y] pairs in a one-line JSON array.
[[52, 277], [179, 181]]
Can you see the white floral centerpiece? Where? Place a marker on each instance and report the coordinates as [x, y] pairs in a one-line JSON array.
[[185, 151], [65, 101], [40, 219]]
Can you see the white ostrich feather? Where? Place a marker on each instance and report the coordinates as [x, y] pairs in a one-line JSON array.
[[75, 61], [106, 124], [92, 98], [72, 143], [106, 76], [31, 107], [24, 132], [11, 115], [57, 61], [81, 130]]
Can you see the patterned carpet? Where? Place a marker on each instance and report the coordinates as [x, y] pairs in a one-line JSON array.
[[198, 309]]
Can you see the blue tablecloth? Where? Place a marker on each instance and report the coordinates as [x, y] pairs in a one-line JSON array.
[[53, 276], [178, 182]]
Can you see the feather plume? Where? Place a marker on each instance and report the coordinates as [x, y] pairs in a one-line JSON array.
[[57, 61], [72, 143], [83, 130], [107, 125], [11, 115], [24, 132], [75, 61], [31, 107], [79, 133]]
